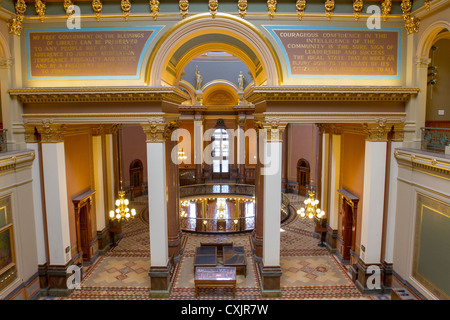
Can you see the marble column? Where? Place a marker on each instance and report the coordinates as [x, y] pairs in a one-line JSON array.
[[368, 264], [32, 142], [271, 158], [56, 206], [198, 148], [334, 186], [160, 266]]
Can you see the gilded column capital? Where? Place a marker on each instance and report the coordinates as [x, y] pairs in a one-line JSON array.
[[377, 132], [271, 131], [398, 132], [51, 133], [98, 130], [155, 131], [30, 133]]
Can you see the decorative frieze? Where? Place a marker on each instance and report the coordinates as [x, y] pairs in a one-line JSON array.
[[298, 93], [111, 94]]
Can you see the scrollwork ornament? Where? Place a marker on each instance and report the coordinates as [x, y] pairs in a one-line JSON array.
[[40, 9], [184, 7], [386, 7], [97, 7], [67, 4], [300, 5], [125, 5], [357, 8], [427, 4], [329, 8], [154, 7], [15, 26], [242, 6], [412, 25], [271, 7], [406, 6], [213, 6]]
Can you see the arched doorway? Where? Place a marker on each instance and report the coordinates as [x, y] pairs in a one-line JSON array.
[[303, 176], [136, 177]]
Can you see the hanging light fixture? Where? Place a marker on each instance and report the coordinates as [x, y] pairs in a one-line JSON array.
[[181, 155], [310, 209], [122, 212]]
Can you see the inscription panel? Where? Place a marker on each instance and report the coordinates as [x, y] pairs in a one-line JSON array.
[[90, 53], [318, 52]]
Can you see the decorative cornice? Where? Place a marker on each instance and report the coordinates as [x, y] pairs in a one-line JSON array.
[[16, 160], [99, 94], [435, 164], [304, 93], [334, 117], [96, 118]]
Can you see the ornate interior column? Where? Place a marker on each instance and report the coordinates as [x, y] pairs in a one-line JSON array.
[[158, 194], [99, 187], [241, 148], [387, 257], [368, 264], [271, 158], [40, 221], [198, 147], [325, 183], [173, 196], [257, 235], [334, 185], [55, 189]]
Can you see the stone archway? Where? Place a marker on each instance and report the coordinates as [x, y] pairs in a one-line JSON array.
[[237, 36]]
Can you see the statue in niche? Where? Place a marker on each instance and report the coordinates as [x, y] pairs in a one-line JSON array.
[[199, 79], [241, 81]]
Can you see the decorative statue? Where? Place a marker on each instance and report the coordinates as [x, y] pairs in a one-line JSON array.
[[199, 78], [241, 81]]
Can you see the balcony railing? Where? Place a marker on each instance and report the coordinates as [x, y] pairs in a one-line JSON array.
[[3, 140], [435, 139]]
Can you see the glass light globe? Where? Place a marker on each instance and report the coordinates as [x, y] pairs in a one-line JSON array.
[[117, 202], [117, 210], [126, 202], [127, 215], [117, 216], [111, 214], [133, 212]]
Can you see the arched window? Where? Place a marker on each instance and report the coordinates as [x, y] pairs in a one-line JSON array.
[[303, 176], [220, 151]]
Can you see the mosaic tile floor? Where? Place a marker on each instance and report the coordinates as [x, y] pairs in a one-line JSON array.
[[309, 271]]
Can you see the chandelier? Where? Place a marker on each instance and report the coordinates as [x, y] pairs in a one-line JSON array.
[[181, 155], [221, 203], [122, 211], [310, 209]]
